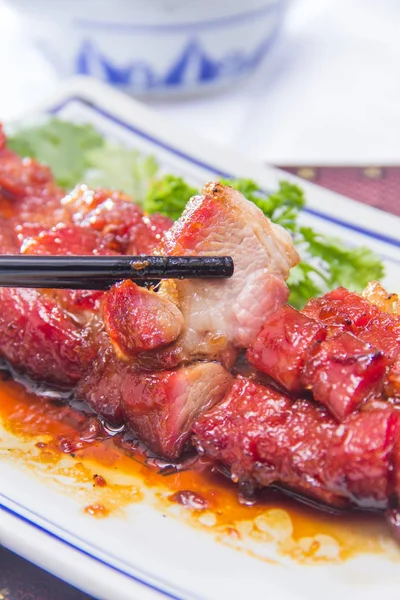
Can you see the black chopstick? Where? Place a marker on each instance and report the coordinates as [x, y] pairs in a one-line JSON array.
[[101, 272]]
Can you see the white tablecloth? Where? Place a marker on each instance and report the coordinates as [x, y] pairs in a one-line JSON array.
[[329, 92]]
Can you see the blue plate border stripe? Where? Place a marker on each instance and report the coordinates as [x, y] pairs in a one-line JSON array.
[[142, 578]]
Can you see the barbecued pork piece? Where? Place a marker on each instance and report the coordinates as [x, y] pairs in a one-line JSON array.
[[65, 240], [221, 317], [54, 335], [48, 335], [265, 438], [137, 320], [8, 241], [283, 344], [32, 203], [389, 303], [25, 179], [393, 509], [40, 339], [159, 407], [341, 310], [391, 382], [343, 372], [122, 224], [40, 334], [223, 222], [100, 386], [70, 240]]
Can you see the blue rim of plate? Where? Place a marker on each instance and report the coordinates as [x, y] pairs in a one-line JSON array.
[[140, 576]]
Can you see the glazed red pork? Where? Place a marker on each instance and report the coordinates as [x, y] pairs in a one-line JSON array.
[[302, 354], [133, 353], [54, 336], [341, 310], [159, 407], [151, 322], [221, 317], [344, 454], [343, 372], [219, 314], [318, 415], [281, 347], [191, 320], [121, 224], [264, 438]]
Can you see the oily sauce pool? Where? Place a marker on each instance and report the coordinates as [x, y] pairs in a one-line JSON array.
[[46, 434]]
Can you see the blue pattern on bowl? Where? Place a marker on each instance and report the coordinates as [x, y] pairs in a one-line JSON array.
[[207, 69], [155, 47]]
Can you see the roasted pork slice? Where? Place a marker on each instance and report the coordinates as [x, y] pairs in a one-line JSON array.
[[359, 463], [283, 344], [40, 339], [341, 310], [391, 382], [137, 320], [66, 240], [70, 240], [347, 311], [100, 385], [159, 407], [223, 222], [53, 335], [8, 241], [221, 317], [393, 509], [122, 224], [343, 372], [32, 202], [265, 438]]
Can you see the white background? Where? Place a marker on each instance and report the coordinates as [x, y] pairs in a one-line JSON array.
[[329, 92]]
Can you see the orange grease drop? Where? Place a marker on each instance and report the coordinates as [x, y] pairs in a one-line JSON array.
[[99, 480], [96, 510]]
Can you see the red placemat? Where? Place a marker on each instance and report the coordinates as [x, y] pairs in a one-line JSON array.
[[374, 185]]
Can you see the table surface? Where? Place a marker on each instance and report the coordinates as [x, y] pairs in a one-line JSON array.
[[327, 95]]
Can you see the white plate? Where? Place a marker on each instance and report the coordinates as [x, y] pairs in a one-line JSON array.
[[144, 553]]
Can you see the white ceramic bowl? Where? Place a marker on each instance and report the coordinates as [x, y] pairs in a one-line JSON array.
[[154, 46]]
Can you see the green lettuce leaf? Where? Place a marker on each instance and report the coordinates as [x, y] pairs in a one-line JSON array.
[[121, 168]]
